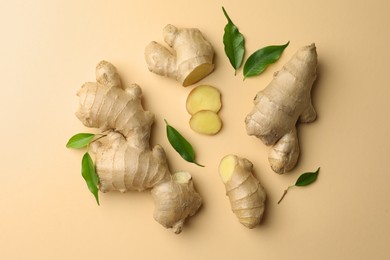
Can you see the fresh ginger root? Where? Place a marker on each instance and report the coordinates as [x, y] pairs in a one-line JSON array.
[[246, 195], [204, 103], [124, 160], [281, 104], [191, 61], [175, 200]]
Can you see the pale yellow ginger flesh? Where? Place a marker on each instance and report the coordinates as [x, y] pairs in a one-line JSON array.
[[203, 97], [124, 159], [246, 195], [182, 177], [206, 122], [284, 102], [190, 61]]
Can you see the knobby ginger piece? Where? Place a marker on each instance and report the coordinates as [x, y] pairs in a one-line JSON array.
[[124, 160], [246, 195], [284, 102], [191, 60]]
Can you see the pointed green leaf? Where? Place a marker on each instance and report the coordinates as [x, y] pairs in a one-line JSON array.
[[307, 178], [89, 174], [234, 43], [180, 144], [262, 58], [80, 140], [303, 180]]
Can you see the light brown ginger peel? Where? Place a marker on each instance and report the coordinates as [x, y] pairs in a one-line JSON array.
[[191, 61], [246, 195], [125, 161], [283, 103]]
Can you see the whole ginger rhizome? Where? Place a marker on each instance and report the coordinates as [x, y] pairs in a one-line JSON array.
[[124, 160]]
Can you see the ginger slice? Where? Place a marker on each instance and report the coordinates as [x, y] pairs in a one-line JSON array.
[[206, 122], [203, 97]]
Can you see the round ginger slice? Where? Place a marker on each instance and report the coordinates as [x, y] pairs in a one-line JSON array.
[[206, 122], [203, 97]]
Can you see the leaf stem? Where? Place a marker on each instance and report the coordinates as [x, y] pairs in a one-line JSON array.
[[284, 193]]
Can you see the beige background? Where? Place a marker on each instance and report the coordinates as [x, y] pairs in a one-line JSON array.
[[50, 48]]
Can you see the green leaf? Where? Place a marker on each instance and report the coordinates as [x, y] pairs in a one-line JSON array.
[[180, 144], [89, 175], [234, 43], [303, 180], [307, 178], [262, 58], [80, 140]]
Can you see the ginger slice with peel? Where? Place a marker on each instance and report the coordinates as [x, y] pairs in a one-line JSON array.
[[206, 122], [203, 103], [203, 97]]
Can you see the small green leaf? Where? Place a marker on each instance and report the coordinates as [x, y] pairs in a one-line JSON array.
[[262, 58], [303, 180], [180, 144], [89, 174], [307, 178], [234, 43], [80, 140]]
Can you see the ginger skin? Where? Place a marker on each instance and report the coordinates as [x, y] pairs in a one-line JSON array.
[[246, 195], [284, 102], [124, 160], [175, 200], [191, 61]]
